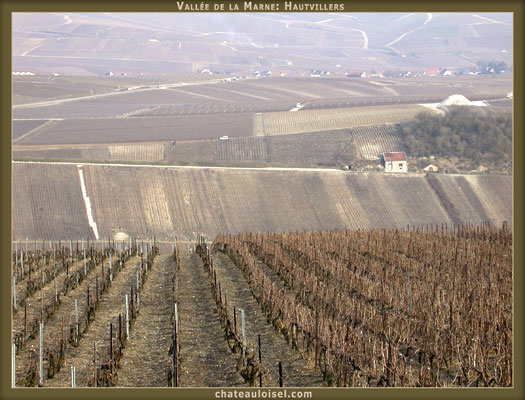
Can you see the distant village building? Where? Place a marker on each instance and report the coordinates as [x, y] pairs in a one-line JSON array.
[[395, 162], [354, 74], [432, 72], [469, 71], [316, 72], [431, 168]]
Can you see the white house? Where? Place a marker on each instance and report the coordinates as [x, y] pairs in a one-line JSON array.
[[395, 162]]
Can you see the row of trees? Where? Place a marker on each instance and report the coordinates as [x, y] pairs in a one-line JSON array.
[[492, 67]]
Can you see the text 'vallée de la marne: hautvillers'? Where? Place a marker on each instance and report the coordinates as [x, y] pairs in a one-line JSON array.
[[253, 6]]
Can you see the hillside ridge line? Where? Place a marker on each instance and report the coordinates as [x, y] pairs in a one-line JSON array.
[[296, 169], [179, 166]]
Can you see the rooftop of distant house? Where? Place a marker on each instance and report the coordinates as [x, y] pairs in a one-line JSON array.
[[395, 156]]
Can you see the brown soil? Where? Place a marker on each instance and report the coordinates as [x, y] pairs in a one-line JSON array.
[[296, 371], [206, 360], [146, 361]]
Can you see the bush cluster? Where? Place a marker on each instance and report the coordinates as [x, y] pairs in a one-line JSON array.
[[482, 136]]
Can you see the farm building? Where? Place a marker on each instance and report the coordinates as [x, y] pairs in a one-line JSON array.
[[395, 162]]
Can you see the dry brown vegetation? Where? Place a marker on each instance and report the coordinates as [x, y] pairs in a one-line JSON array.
[[399, 308], [387, 307], [77, 311], [265, 348]]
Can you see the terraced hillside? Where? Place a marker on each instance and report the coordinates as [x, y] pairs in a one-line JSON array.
[[165, 201], [144, 152], [281, 123], [326, 148], [125, 130], [49, 203], [32, 89]]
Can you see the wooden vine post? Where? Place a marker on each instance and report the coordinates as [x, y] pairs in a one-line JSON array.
[[243, 335], [76, 322], [316, 338], [40, 355], [14, 292], [260, 360], [73, 377], [235, 320], [111, 342], [120, 329], [95, 363], [13, 365], [25, 322], [175, 348], [127, 316]]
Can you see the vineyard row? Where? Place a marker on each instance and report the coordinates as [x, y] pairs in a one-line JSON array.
[[389, 308]]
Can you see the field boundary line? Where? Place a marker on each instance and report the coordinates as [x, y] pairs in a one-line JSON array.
[[80, 164], [399, 175], [106, 94], [34, 130]]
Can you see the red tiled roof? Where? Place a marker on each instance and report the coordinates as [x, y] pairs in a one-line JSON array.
[[397, 156]]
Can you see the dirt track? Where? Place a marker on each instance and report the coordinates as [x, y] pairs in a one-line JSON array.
[[296, 371], [206, 360], [146, 361]]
